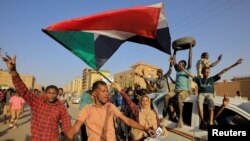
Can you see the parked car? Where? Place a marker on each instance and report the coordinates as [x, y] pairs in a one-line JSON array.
[[75, 100], [236, 113]]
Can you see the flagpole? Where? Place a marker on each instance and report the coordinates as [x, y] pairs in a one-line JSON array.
[[105, 77]]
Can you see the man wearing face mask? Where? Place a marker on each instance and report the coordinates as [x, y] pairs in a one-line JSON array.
[[47, 110]]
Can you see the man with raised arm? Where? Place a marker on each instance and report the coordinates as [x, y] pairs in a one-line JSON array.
[[206, 88], [204, 62], [47, 110], [182, 84]]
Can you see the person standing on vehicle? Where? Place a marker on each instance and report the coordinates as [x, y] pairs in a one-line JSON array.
[[206, 89], [204, 62]]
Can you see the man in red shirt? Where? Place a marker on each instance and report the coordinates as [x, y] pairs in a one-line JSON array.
[[47, 111]]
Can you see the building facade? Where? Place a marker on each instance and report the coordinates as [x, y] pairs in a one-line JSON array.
[[74, 87], [90, 76], [129, 79], [241, 84], [6, 81]]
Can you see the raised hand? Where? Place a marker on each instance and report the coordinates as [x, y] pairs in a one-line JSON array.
[[10, 62], [171, 60], [151, 132], [116, 87], [225, 100], [220, 57], [239, 61]]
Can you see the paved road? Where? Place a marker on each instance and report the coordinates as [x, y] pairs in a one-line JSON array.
[[22, 133]]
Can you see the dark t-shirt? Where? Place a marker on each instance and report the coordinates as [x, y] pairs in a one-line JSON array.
[[206, 85]]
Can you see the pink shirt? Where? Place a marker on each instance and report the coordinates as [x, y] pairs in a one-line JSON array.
[[99, 121], [16, 102]]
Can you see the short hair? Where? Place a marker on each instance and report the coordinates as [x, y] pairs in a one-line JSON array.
[[51, 87], [95, 85], [203, 69], [10, 90], [159, 70], [145, 96], [129, 89], [204, 54], [185, 63], [60, 89], [143, 92]]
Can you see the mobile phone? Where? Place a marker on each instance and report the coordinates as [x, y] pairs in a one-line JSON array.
[[158, 131]]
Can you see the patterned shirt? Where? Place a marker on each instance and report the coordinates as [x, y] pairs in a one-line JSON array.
[[45, 116]]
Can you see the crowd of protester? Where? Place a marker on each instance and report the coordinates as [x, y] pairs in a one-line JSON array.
[[104, 109]]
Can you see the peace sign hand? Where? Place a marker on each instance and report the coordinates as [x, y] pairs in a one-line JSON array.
[[10, 63]]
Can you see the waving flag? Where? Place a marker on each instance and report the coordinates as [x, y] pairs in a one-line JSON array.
[[94, 39]]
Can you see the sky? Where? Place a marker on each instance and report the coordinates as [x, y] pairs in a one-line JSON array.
[[219, 27]]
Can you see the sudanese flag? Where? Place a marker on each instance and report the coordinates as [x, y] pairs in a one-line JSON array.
[[95, 38]]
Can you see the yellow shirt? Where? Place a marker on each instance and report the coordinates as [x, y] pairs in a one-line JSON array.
[[202, 63]]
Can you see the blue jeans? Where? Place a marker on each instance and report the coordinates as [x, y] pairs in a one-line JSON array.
[[158, 97]]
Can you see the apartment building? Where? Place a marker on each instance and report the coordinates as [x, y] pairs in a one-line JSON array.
[[129, 79], [90, 76], [6, 81]]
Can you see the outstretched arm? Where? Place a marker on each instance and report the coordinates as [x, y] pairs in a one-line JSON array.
[[216, 62], [70, 135], [188, 73], [134, 108], [223, 106], [230, 67], [17, 81], [173, 60], [11, 64], [136, 125], [190, 58]]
